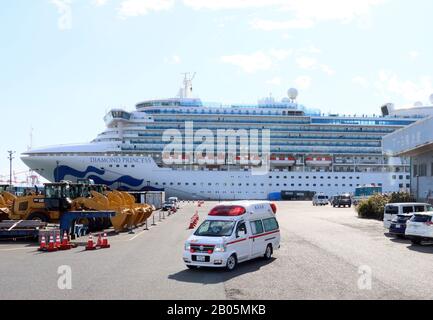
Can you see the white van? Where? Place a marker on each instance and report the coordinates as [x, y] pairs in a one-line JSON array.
[[175, 201], [320, 199], [393, 209], [234, 232]]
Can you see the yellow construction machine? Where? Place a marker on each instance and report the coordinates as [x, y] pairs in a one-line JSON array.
[[129, 214]]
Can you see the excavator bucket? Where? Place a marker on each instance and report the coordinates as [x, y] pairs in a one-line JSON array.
[[123, 220]]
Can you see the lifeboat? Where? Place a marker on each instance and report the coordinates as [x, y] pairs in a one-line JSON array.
[[318, 161], [283, 160]]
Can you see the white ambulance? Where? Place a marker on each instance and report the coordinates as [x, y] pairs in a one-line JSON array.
[[234, 232]]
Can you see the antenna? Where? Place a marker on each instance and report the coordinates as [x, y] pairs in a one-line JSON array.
[[186, 91], [30, 146]]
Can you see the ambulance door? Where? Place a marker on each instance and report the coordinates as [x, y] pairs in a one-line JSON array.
[[256, 238]]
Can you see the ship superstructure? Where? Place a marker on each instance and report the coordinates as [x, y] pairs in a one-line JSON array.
[[308, 152]]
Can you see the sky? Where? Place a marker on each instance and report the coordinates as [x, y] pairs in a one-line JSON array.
[[64, 63]]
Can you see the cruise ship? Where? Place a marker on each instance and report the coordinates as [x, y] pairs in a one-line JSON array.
[[307, 151]]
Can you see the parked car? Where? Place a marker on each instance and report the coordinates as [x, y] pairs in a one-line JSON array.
[[398, 224], [393, 209], [175, 201], [420, 227], [320, 200], [342, 200], [168, 206], [234, 232]]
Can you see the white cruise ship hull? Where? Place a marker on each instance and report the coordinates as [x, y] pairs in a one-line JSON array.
[[141, 172]]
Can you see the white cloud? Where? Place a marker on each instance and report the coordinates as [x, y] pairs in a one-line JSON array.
[[361, 81], [174, 59], [307, 13], [306, 62], [270, 25], [303, 82], [390, 85], [231, 4], [99, 3], [250, 63], [257, 61], [414, 54], [280, 54], [276, 81], [310, 63], [64, 8], [132, 8]]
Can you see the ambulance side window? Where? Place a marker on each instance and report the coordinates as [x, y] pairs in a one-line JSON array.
[[256, 226], [241, 227], [270, 224]]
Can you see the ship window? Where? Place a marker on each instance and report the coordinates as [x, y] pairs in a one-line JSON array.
[[193, 183], [292, 184], [300, 185]]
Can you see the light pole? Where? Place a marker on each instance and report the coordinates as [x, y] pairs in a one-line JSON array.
[[417, 187], [10, 157]]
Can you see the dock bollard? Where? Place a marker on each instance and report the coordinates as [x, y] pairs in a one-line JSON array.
[[153, 220], [163, 215], [146, 227], [159, 213]]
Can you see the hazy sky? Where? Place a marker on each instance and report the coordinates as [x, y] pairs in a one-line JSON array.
[[63, 63]]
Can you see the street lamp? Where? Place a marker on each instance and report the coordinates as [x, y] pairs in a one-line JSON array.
[[10, 157]]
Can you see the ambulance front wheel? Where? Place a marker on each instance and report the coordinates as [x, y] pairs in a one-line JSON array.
[[231, 262]]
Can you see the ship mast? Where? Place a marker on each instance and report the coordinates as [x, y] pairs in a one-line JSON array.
[[186, 91]]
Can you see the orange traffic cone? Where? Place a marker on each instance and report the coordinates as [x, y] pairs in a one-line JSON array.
[[105, 244], [65, 245], [43, 244], [99, 242], [51, 246], [58, 243], [90, 245]]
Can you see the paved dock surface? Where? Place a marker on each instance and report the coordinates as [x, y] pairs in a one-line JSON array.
[[323, 253]]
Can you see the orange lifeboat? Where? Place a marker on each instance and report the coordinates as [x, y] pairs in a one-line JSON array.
[[283, 160], [318, 161]]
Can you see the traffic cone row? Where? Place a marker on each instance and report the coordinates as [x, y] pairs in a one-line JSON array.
[[55, 245], [102, 242], [194, 220]]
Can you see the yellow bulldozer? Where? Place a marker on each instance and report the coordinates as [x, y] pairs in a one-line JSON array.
[[66, 196], [6, 201]]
